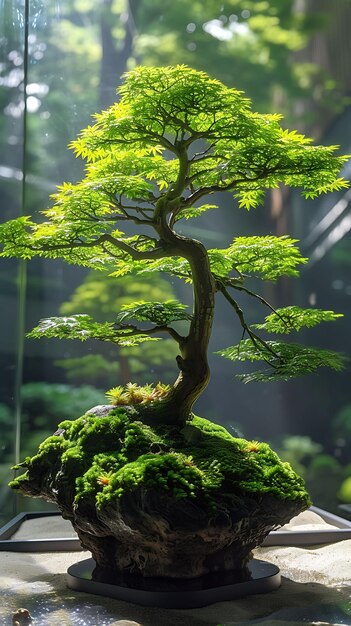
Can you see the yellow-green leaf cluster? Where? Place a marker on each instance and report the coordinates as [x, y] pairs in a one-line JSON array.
[[286, 360], [83, 327], [293, 318], [160, 313]]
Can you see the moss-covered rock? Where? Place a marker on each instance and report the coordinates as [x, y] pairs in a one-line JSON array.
[[163, 500]]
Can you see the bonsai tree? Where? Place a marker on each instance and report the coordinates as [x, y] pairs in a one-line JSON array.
[[149, 487]]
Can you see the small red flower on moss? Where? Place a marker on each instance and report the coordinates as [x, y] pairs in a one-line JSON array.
[[104, 479]]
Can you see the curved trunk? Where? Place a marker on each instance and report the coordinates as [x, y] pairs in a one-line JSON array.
[[193, 362], [194, 372]]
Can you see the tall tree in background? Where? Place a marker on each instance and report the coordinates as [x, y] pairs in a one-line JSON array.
[[100, 296]]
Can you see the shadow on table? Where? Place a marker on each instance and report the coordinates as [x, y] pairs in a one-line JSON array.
[[293, 604], [51, 603]]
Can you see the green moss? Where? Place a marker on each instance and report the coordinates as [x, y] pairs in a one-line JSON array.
[[74, 461], [48, 452], [16, 484], [171, 472], [206, 426], [106, 457]]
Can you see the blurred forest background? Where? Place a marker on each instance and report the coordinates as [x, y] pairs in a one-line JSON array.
[[60, 62]]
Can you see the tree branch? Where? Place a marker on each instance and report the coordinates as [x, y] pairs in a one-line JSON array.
[[196, 195], [203, 191], [143, 134], [203, 155], [235, 285], [256, 339], [126, 216], [155, 253], [163, 328]]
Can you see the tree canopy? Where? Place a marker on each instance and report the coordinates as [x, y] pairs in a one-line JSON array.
[[176, 137]]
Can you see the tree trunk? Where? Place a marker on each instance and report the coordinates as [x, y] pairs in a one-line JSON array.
[[193, 361], [194, 372], [114, 62]]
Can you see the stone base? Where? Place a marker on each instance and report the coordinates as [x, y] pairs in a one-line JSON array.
[[152, 534]]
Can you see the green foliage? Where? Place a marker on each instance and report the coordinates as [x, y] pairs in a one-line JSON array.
[[301, 447], [133, 455], [175, 137], [290, 318], [44, 403], [265, 257], [191, 212], [100, 296], [47, 401], [16, 238], [344, 493], [160, 313], [299, 451], [250, 152], [287, 360], [90, 368], [247, 43], [175, 266], [324, 475], [83, 327], [323, 480], [247, 154]]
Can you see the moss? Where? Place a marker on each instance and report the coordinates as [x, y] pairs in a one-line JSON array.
[[206, 426], [106, 457], [171, 472], [48, 452], [74, 461], [18, 482]]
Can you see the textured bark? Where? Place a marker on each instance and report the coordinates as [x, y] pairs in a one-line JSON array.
[[194, 373], [154, 535], [193, 361]]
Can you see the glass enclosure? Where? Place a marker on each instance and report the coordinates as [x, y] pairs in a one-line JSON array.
[[60, 62]]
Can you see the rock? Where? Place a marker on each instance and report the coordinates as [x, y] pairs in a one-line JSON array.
[[101, 410], [147, 502], [22, 617]]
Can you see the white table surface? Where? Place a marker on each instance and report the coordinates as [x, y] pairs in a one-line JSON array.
[[315, 590]]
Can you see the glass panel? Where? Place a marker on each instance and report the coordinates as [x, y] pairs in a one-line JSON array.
[[61, 95], [12, 272]]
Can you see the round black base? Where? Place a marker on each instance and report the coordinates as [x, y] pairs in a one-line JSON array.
[[171, 593]]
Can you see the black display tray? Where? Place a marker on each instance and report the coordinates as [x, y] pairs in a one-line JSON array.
[[70, 544], [44, 544], [172, 593], [312, 537]]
